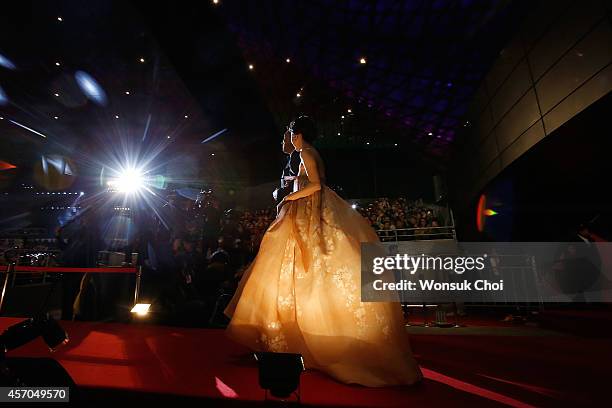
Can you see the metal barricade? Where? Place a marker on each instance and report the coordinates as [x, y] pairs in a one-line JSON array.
[[417, 234]]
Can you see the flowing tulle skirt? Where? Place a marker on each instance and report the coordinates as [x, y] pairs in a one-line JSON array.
[[301, 295]]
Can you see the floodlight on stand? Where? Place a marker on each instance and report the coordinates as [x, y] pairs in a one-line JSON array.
[[280, 373], [141, 309]]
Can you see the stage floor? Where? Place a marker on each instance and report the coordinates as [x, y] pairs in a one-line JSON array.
[[460, 370]]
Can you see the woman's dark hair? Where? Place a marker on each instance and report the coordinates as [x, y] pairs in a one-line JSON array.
[[306, 126]]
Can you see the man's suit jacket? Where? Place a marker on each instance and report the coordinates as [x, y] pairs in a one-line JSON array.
[[291, 170]]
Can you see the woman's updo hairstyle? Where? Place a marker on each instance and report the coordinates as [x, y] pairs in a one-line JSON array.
[[306, 126]]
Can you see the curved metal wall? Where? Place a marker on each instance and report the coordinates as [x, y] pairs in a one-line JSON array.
[[558, 64]]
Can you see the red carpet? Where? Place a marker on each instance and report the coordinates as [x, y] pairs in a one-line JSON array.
[[459, 370]]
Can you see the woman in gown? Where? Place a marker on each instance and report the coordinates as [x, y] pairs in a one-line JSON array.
[[301, 294]]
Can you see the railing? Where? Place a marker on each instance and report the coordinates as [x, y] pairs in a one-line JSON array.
[[417, 234], [29, 257]]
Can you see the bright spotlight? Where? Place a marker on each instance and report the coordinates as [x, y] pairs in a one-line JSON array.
[[141, 309], [354, 206], [129, 181]]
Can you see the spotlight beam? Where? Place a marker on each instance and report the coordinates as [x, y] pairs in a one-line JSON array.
[[219, 133], [27, 128]]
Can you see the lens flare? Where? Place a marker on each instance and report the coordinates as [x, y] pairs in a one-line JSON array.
[[90, 87], [6, 63], [480, 221], [6, 165], [3, 97]]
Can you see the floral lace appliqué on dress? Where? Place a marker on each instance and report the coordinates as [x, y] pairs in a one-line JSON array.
[[301, 295]]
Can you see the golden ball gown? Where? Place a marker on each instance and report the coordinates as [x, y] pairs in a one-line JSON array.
[[301, 294]]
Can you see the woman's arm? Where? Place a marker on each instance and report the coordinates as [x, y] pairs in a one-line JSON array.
[[312, 171]]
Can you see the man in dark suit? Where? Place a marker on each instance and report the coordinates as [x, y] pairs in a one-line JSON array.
[[290, 171]]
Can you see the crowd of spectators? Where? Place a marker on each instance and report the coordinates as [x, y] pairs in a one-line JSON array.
[[193, 254], [419, 220]]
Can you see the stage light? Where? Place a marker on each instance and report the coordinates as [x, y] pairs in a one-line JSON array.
[[395, 144], [353, 206], [57, 64], [288, 60], [349, 110], [129, 181], [251, 67], [142, 60], [116, 116], [362, 60], [127, 92], [342, 117], [82, 193], [298, 95], [56, 117], [141, 309], [167, 137], [280, 373], [215, 1], [367, 143], [60, 19], [56, 94], [186, 116], [212, 154], [430, 134]]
